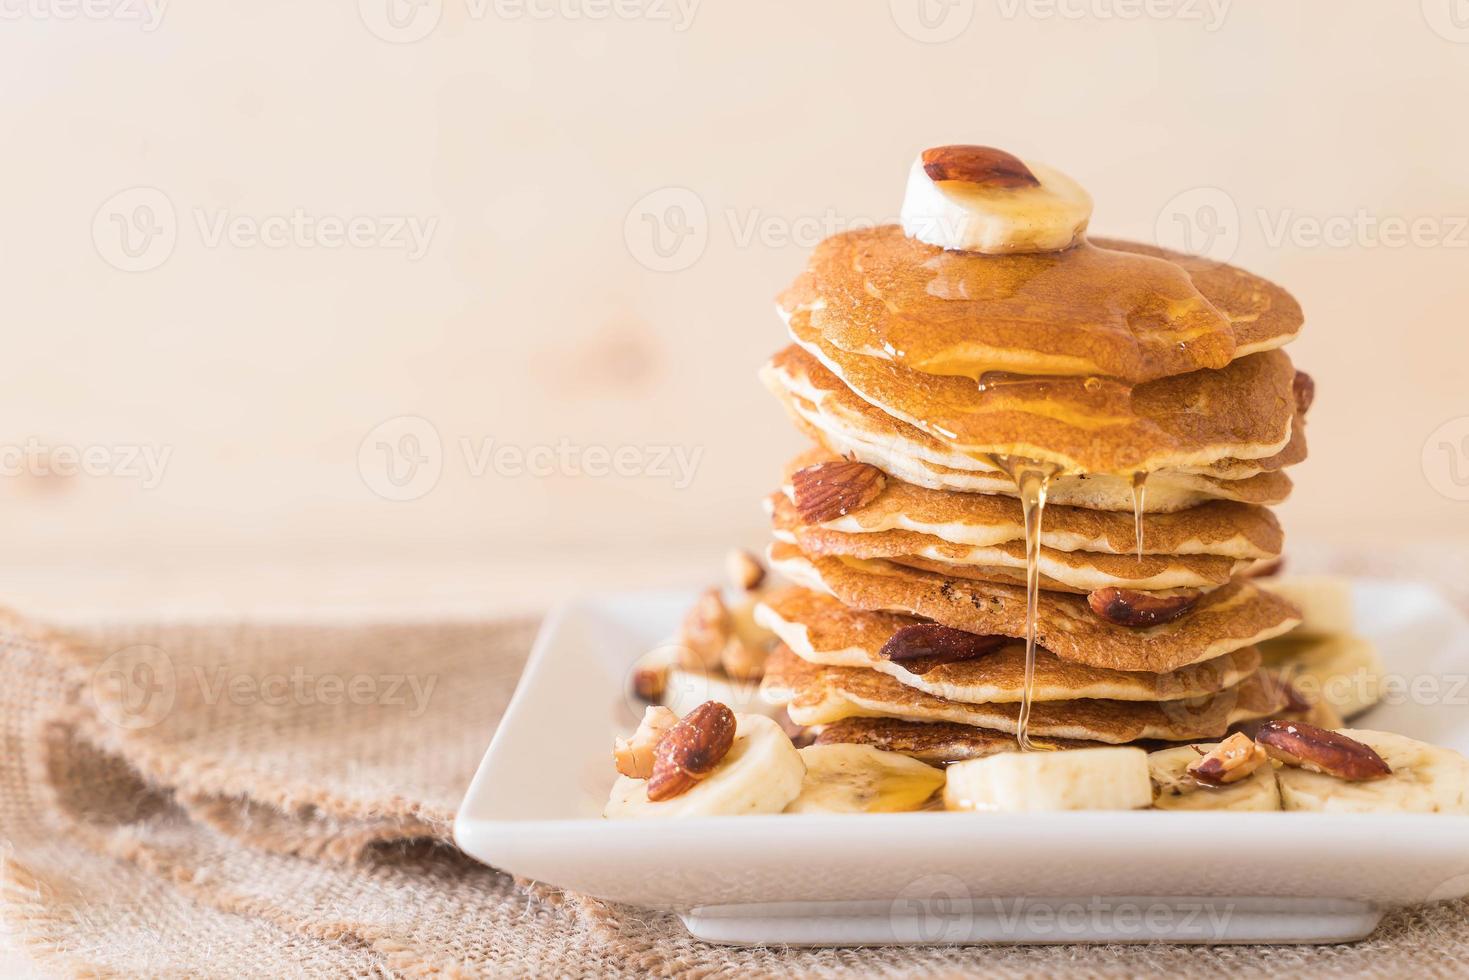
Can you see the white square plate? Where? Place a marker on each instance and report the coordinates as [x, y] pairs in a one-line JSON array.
[[533, 810]]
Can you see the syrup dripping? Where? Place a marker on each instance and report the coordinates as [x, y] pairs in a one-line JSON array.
[[1139, 500], [1039, 384], [1032, 480]]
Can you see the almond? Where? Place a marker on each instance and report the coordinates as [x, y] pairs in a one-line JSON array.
[[689, 751], [1230, 761], [634, 755], [1131, 607], [923, 646], [705, 632], [744, 570], [650, 673], [1319, 750], [743, 661], [983, 165], [827, 491]]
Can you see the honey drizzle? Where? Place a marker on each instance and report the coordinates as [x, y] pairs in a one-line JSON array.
[[1139, 501], [1032, 480]]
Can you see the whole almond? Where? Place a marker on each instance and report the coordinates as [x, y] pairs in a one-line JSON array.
[[690, 750], [982, 165], [923, 646], [1132, 607], [1319, 750], [827, 491]]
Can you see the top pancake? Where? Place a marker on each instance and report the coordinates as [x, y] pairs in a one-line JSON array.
[[1109, 308], [1243, 410]]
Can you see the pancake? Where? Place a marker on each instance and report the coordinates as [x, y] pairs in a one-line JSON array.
[[817, 695], [1243, 410], [1223, 528], [820, 630], [1230, 618], [933, 742], [1065, 571], [1108, 308], [835, 418]]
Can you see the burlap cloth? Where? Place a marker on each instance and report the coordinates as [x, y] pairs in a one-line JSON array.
[[215, 799]]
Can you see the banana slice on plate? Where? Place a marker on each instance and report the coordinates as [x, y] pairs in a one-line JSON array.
[[1425, 779], [1342, 671], [1177, 790], [1110, 778], [1325, 602], [845, 778], [761, 773]]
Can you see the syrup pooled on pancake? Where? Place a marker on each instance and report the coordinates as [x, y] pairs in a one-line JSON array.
[[1107, 309]]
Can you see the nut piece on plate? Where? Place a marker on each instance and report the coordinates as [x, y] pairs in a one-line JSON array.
[[1110, 778], [1177, 789], [1233, 759], [981, 199], [1132, 607], [706, 629], [921, 647], [1423, 779], [760, 772], [846, 778], [689, 751], [826, 491], [744, 570], [634, 755], [1318, 750], [650, 673], [749, 644]]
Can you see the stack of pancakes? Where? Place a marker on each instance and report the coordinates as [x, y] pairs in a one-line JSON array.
[[1146, 395]]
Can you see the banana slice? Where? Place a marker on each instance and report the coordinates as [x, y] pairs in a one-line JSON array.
[[1425, 779], [1111, 778], [1177, 790], [1027, 207], [1342, 671], [762, 773], [1325, 602], [845, 778]]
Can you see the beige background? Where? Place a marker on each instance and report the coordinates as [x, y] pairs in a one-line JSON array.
[[528, 135]]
